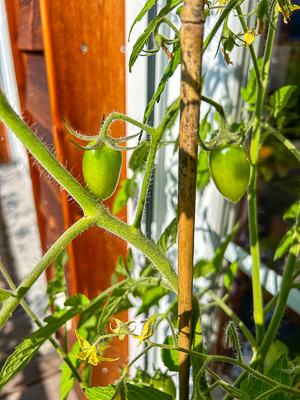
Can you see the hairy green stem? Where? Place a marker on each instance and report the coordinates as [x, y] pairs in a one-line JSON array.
[[145, 185], [43, 155], [54, 343], [254, 240], [11, 303], [251, 48], [289, 145], [229, 360], [235, 318], [283, 294], [270, 305], [230, 6], [117, 116]]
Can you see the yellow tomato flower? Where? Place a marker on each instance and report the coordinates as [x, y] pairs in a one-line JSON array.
[[248, 38], [122, 328], [287, 10], [147, 331], [221, 3], [91, 353]]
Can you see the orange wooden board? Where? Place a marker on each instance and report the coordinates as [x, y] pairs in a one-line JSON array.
[[83, 44]]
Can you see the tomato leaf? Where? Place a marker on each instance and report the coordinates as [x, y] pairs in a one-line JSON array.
[[133, 392], [280, 98], [170, 357], [4, 294], [20, 358], [249, 93], [126, 192], [230, 274], [292, 211], [67, 380], [143, 39], [168, 237], [149, 4], [139, 157], [284, 244], [151, 298], [202, 268], [173, 64], [58, 285]]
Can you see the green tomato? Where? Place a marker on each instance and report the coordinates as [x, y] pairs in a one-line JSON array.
[[142, 376], [230, 169], [164, 383], [101, 169]]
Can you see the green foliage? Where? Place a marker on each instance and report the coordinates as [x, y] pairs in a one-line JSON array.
[[252, 387], [133, 392], [230, 274], [158, 276], [143, 39], [58, 285], [171, 68], [280, 98], [170, 357], [4, 294], [249, 93], [67, 380], [284, 244]]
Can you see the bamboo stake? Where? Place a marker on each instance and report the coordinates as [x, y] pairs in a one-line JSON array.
[[191, 38]]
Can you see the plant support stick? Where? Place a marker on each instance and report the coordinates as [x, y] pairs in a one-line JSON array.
[[191, 38]]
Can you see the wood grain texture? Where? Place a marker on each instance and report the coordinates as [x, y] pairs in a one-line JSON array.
[[4, 145], [30, 37], [191, 38], [86, 78]]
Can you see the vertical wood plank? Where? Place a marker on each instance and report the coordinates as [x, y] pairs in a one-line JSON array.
[[83, 44]]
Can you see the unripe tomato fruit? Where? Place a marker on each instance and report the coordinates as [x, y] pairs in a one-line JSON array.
[[230, 169], [164, 383], [101, 169]]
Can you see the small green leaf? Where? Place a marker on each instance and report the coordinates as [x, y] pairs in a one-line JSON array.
[[129, 261], [77, 300], [230, 274], [151, 298], [280, 98], [143, 39], [292, 211], [127, 191], [66, 381], [172, 66], [284, 244], [139, 157], [149, 4], [275, 350], [170, 357], [249, 93], [202, 268], [120, 266], [133, 392], [20, 358], [58, 284], [5, 294], [100, 393], [203, 175], [114, 304], [168, 237], [143, 392]]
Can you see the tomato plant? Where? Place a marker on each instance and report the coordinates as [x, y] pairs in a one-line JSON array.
[[101, 170], [164, 383], [230, 169]]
